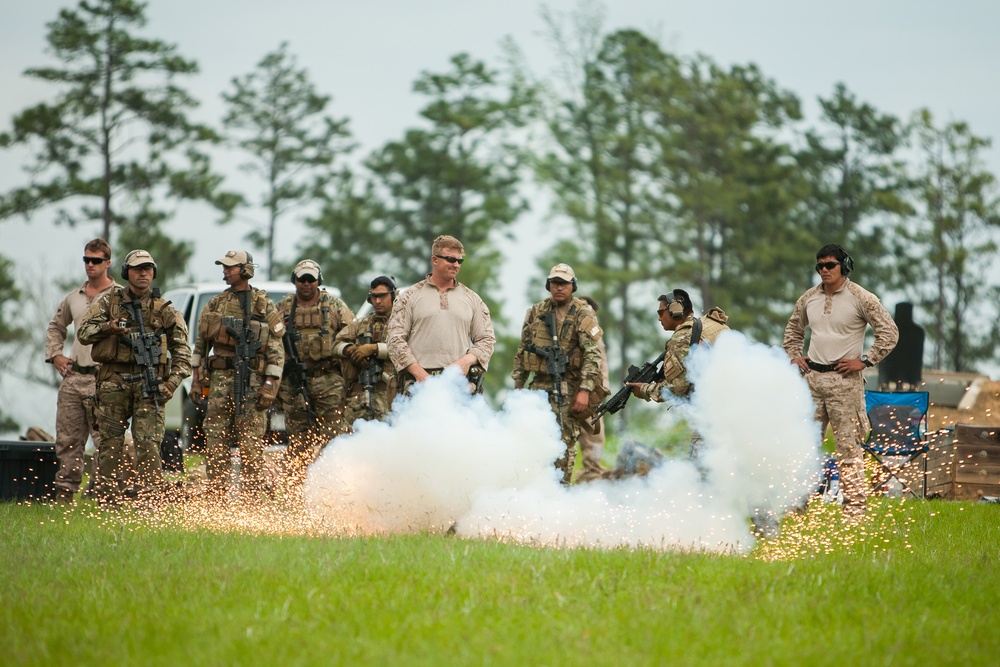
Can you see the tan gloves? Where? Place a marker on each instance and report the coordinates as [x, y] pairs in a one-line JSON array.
[[266, 394], [359, 353], [167, 389]]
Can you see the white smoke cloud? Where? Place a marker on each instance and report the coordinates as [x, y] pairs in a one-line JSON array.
[[446, 459]]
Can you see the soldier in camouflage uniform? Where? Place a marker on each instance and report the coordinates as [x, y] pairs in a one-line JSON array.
[[838, 312], [362, 344], [676, 313], [578, 336], [312, 317], [229, 422], [120, 389], [75, 403]]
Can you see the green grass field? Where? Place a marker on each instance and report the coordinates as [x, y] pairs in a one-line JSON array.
[[916, 585]]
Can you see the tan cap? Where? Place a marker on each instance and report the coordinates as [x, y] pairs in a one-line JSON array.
[[235, 258], [562, 272], [307, 267], [139, 258]]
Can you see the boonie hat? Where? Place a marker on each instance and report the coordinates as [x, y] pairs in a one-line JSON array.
[[234, 258], [307, 267], [139, 258], [562, 272]]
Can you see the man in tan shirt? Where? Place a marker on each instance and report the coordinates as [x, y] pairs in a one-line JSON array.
[[440, 322], [837, 313], [75, 401]]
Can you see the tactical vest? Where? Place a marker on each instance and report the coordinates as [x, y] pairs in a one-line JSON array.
[[313, 324], [709, 326], [569, 337], [376, 328], [261, 325], [114, 349]]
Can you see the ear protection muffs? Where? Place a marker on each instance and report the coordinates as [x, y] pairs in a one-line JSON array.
[[125, 266], [675, 309], [846, 264], [548, 280], [246, 270]]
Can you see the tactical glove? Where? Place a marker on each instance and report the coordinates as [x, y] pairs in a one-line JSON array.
[[167, 389], [266, 394], [361, 352]]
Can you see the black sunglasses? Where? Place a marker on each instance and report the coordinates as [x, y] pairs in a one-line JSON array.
[[378, 295], [829, 266], [451, 260], [94, 260], [305, 279]]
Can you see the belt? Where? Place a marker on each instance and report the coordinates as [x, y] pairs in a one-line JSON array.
[[821, 368], [320, 367], [220, 363], [84, 370]]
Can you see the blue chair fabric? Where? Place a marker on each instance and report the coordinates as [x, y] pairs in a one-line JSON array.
[[899, 433]]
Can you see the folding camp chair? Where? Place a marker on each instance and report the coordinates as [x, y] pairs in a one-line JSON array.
[[898, 435]]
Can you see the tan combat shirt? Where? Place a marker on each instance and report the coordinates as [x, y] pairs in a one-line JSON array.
[[837, 325], [436, 328], [71, 309]]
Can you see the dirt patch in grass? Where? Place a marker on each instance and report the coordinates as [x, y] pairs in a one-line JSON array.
[[984, 412]]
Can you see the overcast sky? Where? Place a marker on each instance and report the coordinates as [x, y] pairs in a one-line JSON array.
[[898, 56]]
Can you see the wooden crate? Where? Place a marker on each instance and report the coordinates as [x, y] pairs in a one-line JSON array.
[[962, 464]]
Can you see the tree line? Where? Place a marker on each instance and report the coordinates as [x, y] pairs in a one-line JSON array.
[[663, 171]]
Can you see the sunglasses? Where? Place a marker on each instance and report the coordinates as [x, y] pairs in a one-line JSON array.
[[451, 260], [305, 279], [94, 260], [829, 266], [378, 295]]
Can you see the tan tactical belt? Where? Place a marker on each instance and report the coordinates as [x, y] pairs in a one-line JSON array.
[[84, 370], [221, 363]]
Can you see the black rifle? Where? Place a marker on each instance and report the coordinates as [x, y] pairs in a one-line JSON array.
[[295, 369], [649, 372], [556, 361], [146, 350], [368, 377], [246, 350]]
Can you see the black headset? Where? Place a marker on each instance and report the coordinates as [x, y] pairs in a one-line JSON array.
[[319, 278], [847, 264], [244, 272], [549, 280], [125, 266], [381, 280]]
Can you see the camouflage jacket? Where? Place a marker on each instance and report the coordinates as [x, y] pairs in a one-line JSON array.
[[676, 351], [579, 337], [375, 327], [159, 317], [265, 324], [318, 325]]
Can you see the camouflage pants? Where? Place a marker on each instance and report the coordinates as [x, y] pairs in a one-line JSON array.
[[74, 421], [571, 429], [119, 470], [356, 405], [591, 450], [840, 404], [225, 429], [307, 434]]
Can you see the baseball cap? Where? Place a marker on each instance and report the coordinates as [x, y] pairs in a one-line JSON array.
[[562, 272], [139, 258], [234, 258], [307, 267]]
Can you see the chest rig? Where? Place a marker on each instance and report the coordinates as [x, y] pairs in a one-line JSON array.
[[569, 340], [228, 312], [313, 324], [154, 311]]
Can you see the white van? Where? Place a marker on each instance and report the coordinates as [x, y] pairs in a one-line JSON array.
[[183, 417]]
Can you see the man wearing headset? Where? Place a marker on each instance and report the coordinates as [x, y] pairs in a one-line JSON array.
[[568, 324], [362, 344], [676, 313], [122, 392], [312, 317], [837, 312], [230, 422]]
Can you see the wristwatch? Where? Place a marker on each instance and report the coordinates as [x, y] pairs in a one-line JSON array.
[[864, 358]]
